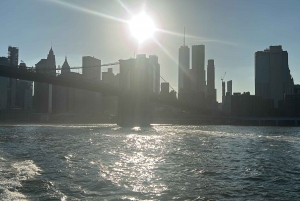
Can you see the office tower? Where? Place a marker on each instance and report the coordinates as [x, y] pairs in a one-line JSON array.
[[91, 68], [65, 69], [198, 65], [110, 103], [3, 85], [183, 69], [42, 91], [165, 88], [210, 90], [63, 98], [272, 74], [229, 87], [24, 92], [13, 59], [51, 66], [154, 73], [223, 91]]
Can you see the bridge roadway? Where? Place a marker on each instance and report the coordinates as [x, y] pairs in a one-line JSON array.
[[79, 82]]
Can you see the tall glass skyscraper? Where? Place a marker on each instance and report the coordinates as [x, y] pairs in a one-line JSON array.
[[272, 74]]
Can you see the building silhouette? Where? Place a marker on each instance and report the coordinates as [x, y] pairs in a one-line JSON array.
[[211, 92], [13, 60], [154, 74], [91, 68], [133, 104], [110, 103], [227, 98], [272, 74], [24, 92], [3, 85], [184, 69], [198, 68], [229, 87], [43, 92], [246, 105]]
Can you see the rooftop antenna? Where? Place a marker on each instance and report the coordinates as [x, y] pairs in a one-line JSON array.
[[184, 36]]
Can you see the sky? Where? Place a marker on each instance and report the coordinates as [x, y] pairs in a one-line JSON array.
[[231, 30]]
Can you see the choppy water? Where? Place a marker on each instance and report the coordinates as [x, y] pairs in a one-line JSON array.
[[105, 162]]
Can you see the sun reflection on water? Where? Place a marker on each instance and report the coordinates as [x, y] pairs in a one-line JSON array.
[[136, 168]]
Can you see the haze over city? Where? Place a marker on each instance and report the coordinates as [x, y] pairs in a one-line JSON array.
[[230, 30], [149, 100]]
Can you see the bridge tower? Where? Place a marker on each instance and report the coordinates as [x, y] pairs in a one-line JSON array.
[[134, 104]]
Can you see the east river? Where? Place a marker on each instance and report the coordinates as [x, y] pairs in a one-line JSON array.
[[163, 162]]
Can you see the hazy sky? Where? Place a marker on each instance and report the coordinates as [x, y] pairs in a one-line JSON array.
[[231, 30]]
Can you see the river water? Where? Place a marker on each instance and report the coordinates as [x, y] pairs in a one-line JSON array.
[[164, 162]]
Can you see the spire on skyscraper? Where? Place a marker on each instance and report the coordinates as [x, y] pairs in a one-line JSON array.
[[65, 67]]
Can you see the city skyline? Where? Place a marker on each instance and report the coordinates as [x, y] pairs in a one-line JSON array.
[[76, 33]]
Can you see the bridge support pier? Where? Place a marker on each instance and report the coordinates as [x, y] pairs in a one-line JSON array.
[[133, 111], [134, 102]]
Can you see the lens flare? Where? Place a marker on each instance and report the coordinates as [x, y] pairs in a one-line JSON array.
[[142, 27]]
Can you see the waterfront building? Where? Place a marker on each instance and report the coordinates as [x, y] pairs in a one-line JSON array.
[[110, 103], [154, 74], [43, 92], [13, 60], [91, 68], [3, 85], [272, 74], [211, 92], [198, 66], [183, 69], [229, 87], [246, 105]]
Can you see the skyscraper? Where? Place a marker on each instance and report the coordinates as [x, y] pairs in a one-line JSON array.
[[91, 68], [183, 69], [13, 59], [198, 65], [3, 85], [211, 91], [272, 74], [42, 91], [229, 87], [51, 65], [154, 73], [223, 91]]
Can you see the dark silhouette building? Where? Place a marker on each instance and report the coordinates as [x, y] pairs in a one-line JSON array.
[[110, 103], [3, 85], [198, 68], [43, 92], [292, 102], [91, 68], [133, 104], [184, 83], [154, 73], [13, 60], [272, 75], [165, 88], [211, 92], [246, 105]]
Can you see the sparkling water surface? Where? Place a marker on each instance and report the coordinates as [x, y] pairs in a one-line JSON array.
[[163, 162]]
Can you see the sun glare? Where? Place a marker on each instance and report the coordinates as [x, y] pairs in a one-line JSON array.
[[142, 27]]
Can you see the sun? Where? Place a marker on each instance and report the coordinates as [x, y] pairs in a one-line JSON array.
[[142, 27]]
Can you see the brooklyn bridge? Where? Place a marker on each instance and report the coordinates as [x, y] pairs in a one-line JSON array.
[[133, 92]]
